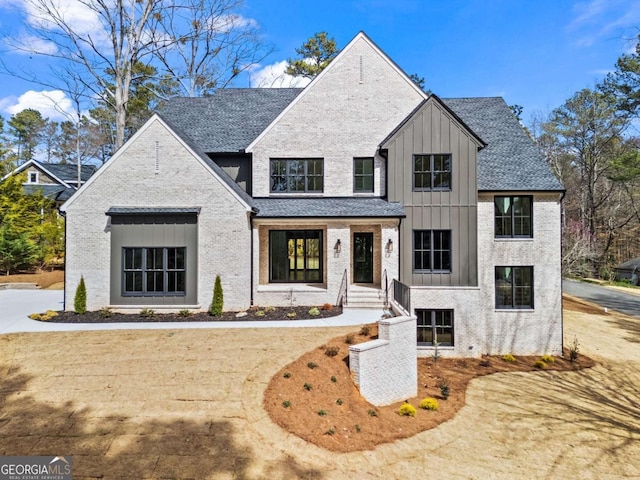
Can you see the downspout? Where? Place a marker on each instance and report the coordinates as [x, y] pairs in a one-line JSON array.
[[63, 214], [251, 213], [562, 195]]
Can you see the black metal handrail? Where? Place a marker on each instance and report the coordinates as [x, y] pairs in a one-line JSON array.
[[343, 292], [402, 295], [384, 284]]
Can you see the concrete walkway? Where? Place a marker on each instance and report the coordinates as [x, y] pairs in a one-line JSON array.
[[16, 305]]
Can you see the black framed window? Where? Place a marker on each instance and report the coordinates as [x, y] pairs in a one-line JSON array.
[[297, 175], [434, 326], [514, 287], [432, 172], [295, 256], [154, 271], [513, 217], [432, 250], [363, 175]]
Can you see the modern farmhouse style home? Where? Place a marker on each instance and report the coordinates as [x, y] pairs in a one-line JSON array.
[[358, 188]]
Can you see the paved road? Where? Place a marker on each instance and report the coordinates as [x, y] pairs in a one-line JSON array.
[[627, 303]]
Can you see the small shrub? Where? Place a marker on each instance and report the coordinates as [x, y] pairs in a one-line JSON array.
[[365, 330], [443, 385], [326, 306], [540, 364], [291, 315], [332, 351], [307, 386], [43, 317], [372, 413], [217, 304], [349, 339], [314, 312], [509, 358], [312, 365], [287, 375], [574, 350], [407, 410], [334, 379], [185, 313], [331, 431], [286, 404], [429, 403], [322, 413], [357, 427], [80, 300], [260, 313], [547, 359], [147, 313], [105, 312], [339, 401], [485, 362], [35, 316], [270, 309]]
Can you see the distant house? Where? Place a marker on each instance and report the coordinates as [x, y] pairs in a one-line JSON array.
[[629, 270], [356, 188], [55, 180]]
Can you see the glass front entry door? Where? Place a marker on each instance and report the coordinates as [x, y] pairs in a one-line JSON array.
[[363, 257]]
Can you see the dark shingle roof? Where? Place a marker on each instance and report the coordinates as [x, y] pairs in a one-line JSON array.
[[51, 191], [230, 119], [510, 161], [68, 172], [327, 207]]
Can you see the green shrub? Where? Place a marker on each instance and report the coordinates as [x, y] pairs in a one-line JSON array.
[[540, 364], [339, 401], [217, 303], [357, 427], [322, 413], [429, 403], [312, 365], [270, 309], [349, 339], [80, 300], [443, 385], [547, 359], [105, 312], [334, 379], [147, 313], [286, 404], [365, 330], [260, 313], [287, 375], [509, 358], [314, 312], [185, 313], [574, 350], [407, 410], [307, 386], [372, 413], [43, 317], [332, 351], [291, 315], [331, 431]]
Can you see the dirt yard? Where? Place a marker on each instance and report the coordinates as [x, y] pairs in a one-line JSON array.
[[188, 404], [53, 279]]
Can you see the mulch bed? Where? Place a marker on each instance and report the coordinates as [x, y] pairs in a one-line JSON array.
[[269, 314]]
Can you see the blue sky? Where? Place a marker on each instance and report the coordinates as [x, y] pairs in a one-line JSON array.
[[532, 53]]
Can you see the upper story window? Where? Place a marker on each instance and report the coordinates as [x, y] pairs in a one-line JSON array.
[[363, 175], [33, 177], [297, 175], [432, 172], [513, 217], [432, 250]]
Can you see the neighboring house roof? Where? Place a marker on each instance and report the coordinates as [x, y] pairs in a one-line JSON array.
[[69, 172], [327, 207], [630, 265], [230, 119], [52, 191], [511, 160]]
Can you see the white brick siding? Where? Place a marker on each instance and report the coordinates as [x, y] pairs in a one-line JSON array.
[[130, 179]]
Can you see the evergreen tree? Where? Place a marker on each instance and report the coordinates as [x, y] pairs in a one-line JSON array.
[[217, 303], [313, 57], [80, 299]]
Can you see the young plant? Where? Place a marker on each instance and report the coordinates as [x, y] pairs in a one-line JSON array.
[[429, 403], [185, 313], [349, 339], [147, 313], [217, 303], [372, 413], [332, 351], [322, 413], [286, 404], [333, 379], [407, 410], [105, 312], [80, 300], [287, 375], [443, 385], [314, 312], [547, 359], [509, 358], [574, 350], [339, 401], [365, 330], [312, 365], [291, 315], [307, 386], [540, 365]]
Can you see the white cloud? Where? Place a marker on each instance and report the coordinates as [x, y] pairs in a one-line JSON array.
[[273, 76], [52, 104], [596, 19], [30, 45]]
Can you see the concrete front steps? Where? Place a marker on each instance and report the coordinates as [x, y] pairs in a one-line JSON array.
[[360, 296]]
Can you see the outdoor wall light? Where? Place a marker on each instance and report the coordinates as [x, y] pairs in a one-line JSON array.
[[389, 247], [337, 247]]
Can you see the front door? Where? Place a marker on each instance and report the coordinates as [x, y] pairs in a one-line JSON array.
[[363, 257]]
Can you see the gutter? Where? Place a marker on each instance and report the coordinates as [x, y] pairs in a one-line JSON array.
[[63, 214]]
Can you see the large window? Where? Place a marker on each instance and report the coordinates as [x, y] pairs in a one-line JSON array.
[[514, 287], [513, 217], [297, 175], [154, 271], [363, 175], [435, 326], [432, 250], [295, 256], [432, 172]]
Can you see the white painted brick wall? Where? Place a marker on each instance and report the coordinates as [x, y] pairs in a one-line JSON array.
[[181, 181], [386, 370], [340, 118]]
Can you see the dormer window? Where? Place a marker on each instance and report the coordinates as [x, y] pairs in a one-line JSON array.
[[32, 177]]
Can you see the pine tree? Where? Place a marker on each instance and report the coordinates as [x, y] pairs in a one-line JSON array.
[[80, 300], [218, 301]]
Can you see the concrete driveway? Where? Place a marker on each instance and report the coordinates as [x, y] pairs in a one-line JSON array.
[[180, 403]]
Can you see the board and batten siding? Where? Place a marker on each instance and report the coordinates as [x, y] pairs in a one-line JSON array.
[[433, 130]]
